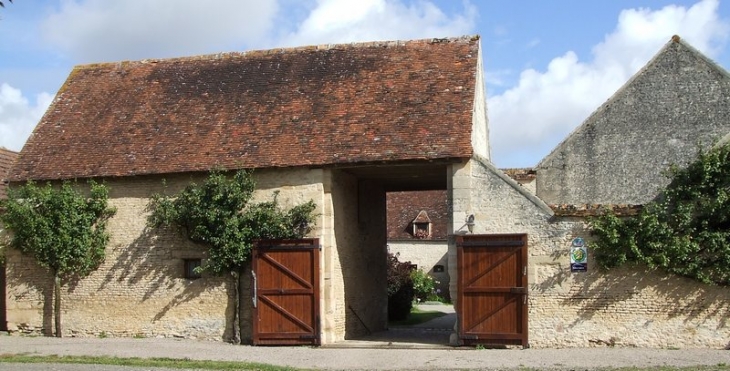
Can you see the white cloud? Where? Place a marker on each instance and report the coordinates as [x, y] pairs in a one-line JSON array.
[[337, 21], [530, 119], [18, 116], [86, 31], [533, 43], [102, 30]]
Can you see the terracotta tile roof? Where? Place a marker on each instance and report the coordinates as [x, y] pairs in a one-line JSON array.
[[7, 158], [584, 210], [308, 106], [404, 207]]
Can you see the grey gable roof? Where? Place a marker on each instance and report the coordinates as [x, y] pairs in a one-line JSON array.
[[677, 101]]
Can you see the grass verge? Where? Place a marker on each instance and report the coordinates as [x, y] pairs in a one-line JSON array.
[[184, 364]]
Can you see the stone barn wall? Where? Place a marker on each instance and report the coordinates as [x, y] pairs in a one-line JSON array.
[[140, 289]]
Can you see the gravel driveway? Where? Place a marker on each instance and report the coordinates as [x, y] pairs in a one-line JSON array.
[[362, 358]]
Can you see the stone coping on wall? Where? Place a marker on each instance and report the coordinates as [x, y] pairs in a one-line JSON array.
[[521, 174], [584, 210]]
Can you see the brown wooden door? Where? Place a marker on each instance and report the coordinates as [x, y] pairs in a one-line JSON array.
[[492, 289], [3, 307], [285, 283]]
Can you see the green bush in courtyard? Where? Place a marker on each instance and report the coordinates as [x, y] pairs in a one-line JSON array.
[[400, 288], [424, 286]]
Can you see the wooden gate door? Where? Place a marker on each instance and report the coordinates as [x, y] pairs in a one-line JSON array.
[[3, 307], [492, 289], [285, 284]]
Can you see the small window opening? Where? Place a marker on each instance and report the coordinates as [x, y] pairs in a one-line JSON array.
[[190, 268], [421, 225]]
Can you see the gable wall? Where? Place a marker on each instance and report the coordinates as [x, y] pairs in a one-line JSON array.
[[140, 289], [626, 307], [480, 127], [679, 100]]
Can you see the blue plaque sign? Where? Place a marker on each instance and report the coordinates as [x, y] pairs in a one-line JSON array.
[[578, 256]]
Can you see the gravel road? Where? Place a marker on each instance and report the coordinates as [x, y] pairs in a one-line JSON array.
[[358, 358]]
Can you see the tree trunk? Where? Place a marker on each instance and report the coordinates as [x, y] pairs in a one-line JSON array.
[[243, 297], [57, 304], [236, 306]]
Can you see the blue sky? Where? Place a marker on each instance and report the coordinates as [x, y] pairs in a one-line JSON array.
[[548, 64]]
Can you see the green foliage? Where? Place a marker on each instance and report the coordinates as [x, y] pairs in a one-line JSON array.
[[424, 286], [685, 231], [62, 229], [218, 214], [400, 288]]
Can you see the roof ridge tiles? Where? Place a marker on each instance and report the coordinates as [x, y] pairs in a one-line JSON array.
[[283, 50], [287, 107]]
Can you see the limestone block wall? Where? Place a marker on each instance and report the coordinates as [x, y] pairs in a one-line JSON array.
[[426, 254], [340, 200], [140, 289], [354, 262], [364, 267], [626, 307]]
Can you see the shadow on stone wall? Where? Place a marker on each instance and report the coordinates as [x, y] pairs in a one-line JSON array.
[[637, 289], [29, 274], [153, 263], [664, 294]]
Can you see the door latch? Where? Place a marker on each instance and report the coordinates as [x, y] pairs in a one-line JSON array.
[[255, 288]]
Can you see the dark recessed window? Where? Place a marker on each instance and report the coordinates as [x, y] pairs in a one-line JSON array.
[[190, 265]]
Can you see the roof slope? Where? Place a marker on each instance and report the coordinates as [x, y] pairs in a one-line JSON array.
[[675, 103], [7, 158], [309, 106], [403, 208]]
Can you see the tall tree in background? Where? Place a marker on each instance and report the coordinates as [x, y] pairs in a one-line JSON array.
[[62, 229], [2, 5]]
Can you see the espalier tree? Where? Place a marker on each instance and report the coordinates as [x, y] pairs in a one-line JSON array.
[[685, 231], [219, 214], [61, 228]]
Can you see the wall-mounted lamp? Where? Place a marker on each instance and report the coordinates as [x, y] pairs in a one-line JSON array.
[[470, 223]]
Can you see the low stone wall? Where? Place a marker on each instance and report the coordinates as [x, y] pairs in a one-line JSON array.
[[628, 307]]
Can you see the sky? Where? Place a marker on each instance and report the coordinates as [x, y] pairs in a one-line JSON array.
[[548, 64]]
